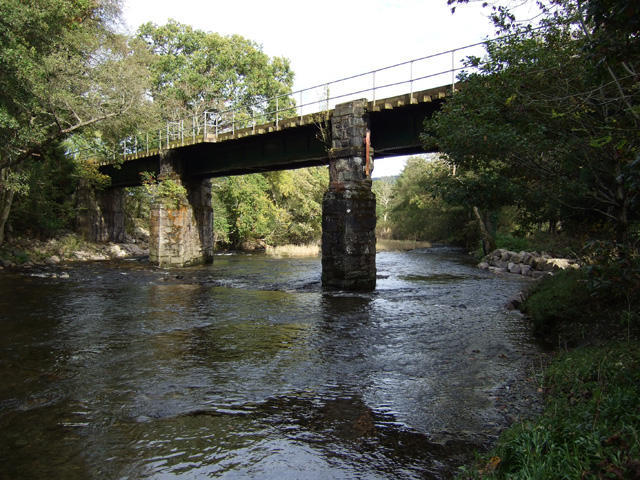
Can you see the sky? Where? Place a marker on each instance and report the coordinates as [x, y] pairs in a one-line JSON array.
[[328, 40]]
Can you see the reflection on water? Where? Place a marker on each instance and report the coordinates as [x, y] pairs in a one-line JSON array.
[[249, 369]]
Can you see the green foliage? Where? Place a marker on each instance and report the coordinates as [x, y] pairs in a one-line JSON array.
[[383, 190], [590, 425], [195, 71], [564, 297], [251, 213], [543, 126], [614, 272], [418, 211], [298, 193], [64, 71], [221, 226], [48, 204], [275, 208], [512, 243], [166, 191]]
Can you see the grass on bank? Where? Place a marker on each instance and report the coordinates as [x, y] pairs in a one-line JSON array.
[[590, 427], [388, 245], [309, 250], [312, 249]]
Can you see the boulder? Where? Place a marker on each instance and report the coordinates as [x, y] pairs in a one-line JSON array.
[[526, 270], [516, 301], [515, 268]]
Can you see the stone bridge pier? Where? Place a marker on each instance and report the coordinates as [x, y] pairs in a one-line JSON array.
[[181, 229], [349, 206], [100, 214]]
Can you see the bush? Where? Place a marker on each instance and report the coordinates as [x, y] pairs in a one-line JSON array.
[[511, 243], [563, 297]]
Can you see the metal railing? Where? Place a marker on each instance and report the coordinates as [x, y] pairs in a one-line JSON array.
[[418, 74]]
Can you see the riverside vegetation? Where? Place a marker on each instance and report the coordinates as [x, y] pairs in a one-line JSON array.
[[539, 152]]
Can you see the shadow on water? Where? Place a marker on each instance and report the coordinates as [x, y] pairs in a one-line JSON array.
[[249, 369]]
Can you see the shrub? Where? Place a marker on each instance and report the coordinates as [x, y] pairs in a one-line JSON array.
[[563, 297]]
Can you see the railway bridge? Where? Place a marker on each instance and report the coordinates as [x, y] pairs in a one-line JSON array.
[[346, 138]]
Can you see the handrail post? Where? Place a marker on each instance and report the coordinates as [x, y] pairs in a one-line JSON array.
[[193, 128], [277, 111], [411, 82], [453, 70], [374, 88]]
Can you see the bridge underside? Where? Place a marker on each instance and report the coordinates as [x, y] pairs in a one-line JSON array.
[[182, 234]]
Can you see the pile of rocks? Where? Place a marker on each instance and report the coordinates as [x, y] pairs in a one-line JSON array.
[[27, 253], [530, 264]]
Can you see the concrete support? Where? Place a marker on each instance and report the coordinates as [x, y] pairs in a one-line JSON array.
[[100, 216], [181, 229], [349, 206]]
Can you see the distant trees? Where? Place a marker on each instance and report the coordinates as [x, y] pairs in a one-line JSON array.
[[273, 208], [420, 211]]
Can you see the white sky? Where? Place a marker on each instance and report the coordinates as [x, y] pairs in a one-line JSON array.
[[328, 40]]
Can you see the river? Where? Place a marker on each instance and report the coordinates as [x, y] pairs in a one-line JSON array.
[[247, 368]]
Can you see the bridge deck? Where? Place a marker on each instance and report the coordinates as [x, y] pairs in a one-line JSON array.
[[396, 124]]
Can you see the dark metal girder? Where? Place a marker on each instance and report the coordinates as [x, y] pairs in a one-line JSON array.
[[395, 123]]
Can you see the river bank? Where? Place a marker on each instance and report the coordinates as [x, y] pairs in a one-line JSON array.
[[68, 247]]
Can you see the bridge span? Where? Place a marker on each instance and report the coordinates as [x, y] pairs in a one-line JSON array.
[[395, 124], [344, 138]]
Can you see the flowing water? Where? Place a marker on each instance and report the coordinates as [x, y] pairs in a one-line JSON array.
[[247, 368]]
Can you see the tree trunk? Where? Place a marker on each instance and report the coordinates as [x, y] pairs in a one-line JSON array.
[[7, 201], [488, 242]]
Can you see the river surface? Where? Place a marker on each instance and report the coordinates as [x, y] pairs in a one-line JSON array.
[[247, 368]]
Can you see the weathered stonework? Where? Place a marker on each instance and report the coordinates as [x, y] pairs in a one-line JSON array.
[[100, 216], [349, 206], [181, 232]]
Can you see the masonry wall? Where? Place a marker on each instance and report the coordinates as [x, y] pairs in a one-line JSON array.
[[349, 205], [181, 230]]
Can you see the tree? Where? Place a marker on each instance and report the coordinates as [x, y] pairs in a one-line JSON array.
[[252, 215], [272, 208], [299, 194], [418, 210], [64, 70], [196, 71], [554, 122], [383, 189]]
